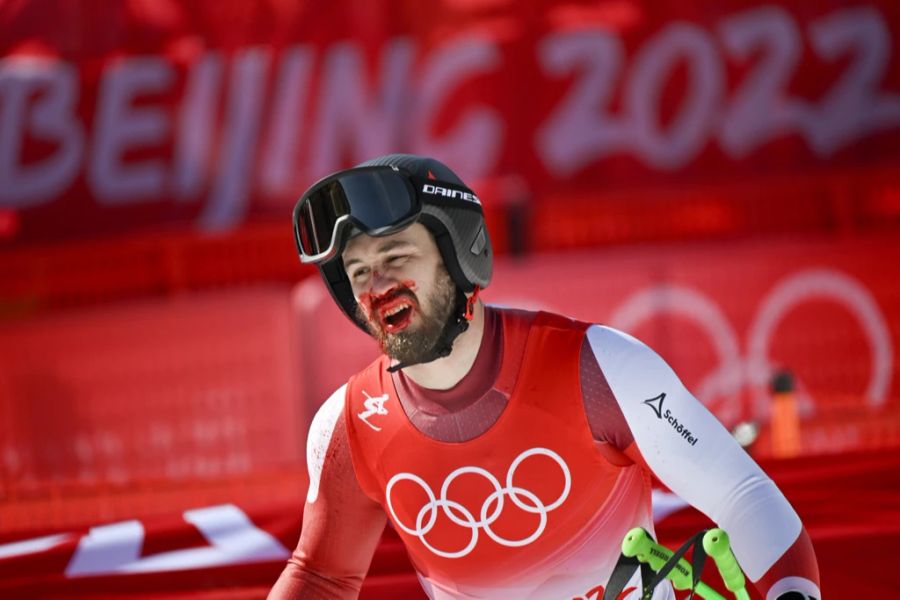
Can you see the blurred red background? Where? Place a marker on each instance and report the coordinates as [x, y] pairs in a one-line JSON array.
[[719, 179]]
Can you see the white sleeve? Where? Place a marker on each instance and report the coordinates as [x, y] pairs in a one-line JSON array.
[[319, 438], [690, 451]]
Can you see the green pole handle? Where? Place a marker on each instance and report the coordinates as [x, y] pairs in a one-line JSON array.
[[638, 543], [717, 545]]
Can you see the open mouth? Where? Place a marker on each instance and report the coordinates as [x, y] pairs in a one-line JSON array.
[[397, 316]]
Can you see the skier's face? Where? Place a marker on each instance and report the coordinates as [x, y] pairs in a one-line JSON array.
[[403, 291]]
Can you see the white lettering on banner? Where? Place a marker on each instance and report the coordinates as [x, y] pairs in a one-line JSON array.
[[53, 88], [107, 549], [653, 66], [757, 112], [278, 172], [121, 127], [197, 126], [473, 146], [734, 371], [351, 120], [230, 192], [576, 133], [33, 546], [854, 107], [217, 141], [761, 109], [233, 538]]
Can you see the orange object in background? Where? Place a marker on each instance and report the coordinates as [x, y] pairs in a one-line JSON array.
[[785, 417]]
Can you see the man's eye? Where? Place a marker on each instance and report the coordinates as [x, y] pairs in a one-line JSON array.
[[396, 260], [359, 273]]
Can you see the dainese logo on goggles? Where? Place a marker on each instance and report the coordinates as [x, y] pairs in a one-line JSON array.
[[436, 190]]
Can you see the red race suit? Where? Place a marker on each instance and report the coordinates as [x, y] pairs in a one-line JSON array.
[[522, 480]]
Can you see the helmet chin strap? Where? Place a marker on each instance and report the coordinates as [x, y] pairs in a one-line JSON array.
[[463, 312]]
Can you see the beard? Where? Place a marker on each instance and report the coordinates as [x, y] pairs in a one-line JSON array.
[[415, 343]]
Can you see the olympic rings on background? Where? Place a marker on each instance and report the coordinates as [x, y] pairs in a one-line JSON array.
[[753, 367]]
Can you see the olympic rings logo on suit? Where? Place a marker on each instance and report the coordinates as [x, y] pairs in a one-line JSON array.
[[490, 510]]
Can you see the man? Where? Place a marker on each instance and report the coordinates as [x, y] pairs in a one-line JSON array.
[[510, 450]]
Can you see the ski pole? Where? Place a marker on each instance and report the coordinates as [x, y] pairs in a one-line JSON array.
[[717, 545], [638, 543]]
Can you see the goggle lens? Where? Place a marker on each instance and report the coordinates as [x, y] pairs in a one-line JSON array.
[[375, 200]]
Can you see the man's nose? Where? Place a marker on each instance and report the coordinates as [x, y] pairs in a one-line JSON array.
[[382, 283]]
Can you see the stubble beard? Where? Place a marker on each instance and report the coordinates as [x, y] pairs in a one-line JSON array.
[[415, 343]]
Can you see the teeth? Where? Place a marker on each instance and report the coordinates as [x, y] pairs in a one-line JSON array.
[[396, 310]]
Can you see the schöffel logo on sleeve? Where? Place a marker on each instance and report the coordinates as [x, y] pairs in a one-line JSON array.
[[656, 403], [436, 190]]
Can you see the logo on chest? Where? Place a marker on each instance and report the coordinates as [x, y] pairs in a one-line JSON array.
[[472, 501], [374, 406]]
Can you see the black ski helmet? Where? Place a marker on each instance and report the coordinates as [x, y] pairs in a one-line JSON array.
[[382, 196]]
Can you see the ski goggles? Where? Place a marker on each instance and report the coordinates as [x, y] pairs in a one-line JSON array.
[[374, 200]]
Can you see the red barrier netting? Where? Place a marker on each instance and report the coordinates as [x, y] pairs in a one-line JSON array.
[[181, 391]]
